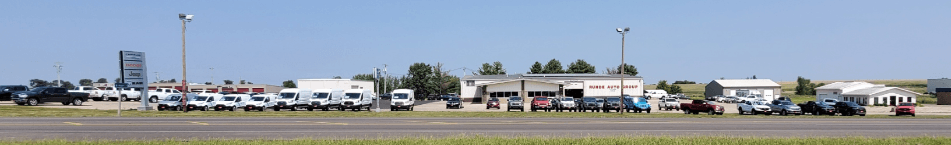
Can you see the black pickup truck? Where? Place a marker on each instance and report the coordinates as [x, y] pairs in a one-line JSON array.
[[49, 94]]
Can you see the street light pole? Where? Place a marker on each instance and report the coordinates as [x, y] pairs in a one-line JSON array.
[[623, 32], [59, 69], [184, 18], [212, 75]]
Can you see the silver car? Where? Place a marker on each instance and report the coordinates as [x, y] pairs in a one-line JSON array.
[[784, 107], [515, 102]]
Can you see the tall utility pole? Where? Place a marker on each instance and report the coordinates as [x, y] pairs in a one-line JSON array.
[[157, 79], [376, 86], [59, 69], [184, 18], [623, 32], [212, 75]]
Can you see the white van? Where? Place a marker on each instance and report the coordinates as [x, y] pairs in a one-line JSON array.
[[231, 102], [325, 99], [173, 102], [201, 102], [292, 99], [402, 99], [648, 94], [357, 99], [260, 102]]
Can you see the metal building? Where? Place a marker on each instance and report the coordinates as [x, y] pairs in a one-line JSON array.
[[741, 87], [480, 87]]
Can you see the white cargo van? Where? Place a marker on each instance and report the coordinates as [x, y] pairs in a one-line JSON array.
[[202, 102], [260, 102], [402, 99], [648, 94], [292, 98], [231, 102], [357, 99], [325, 99], [173, 102]]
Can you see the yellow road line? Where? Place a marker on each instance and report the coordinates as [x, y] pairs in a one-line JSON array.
[[199, 123], [73, 123]]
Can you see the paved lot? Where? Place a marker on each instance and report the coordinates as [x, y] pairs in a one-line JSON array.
[[291, 128]]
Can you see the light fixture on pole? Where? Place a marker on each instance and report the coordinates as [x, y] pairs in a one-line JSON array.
[[621, 71], [59, 69], [184, 18]]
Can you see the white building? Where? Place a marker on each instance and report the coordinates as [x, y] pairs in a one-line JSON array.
[[480, 87], [314, 84], [741, 87], [938, 83], [865, 93]]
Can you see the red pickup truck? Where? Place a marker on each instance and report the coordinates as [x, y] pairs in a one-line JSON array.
[[698, 106]]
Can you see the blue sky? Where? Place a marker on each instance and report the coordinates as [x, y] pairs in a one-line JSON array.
[[271, 41]]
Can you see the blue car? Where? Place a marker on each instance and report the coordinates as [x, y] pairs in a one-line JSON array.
[[636, 104]]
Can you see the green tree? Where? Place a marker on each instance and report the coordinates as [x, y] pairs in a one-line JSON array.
[[685, 82], [419, 78], [38, 83], [85, 82], [242, 82], [228, 82], [536, 68], [337, 77], [662, 85], [674, 89], [207, 83], [289, 84], [117, 80], [628, 69], [102, 80], [553, 67], [68, 85], [365, 77], [806, 87], [580, 67], [492, 69], [171, 80]]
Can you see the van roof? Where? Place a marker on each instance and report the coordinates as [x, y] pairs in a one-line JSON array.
[[402, 91]]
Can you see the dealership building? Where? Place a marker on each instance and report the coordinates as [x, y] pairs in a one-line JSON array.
[[481, 87]]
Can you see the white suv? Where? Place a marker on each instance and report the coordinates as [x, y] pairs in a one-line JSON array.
[[161, 94]]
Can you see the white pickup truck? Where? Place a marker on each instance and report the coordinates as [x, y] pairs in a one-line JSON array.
[[161, 94], [127, 94], [94, 93]]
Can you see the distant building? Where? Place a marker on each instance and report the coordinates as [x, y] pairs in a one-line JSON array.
[[741, 87], [334, 84], [864, 93], [480, 87], [938, 83]]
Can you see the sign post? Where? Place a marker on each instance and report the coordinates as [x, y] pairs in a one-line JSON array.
[[135, 75], [119, 87]]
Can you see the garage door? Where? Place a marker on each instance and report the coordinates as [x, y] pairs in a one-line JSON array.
[[242, 90], [258, 90], [768, 94]]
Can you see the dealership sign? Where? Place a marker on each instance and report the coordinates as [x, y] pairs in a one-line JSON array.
[[132, 67]]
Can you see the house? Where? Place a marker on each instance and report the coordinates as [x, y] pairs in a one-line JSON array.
[[864, 93], [742, 87]]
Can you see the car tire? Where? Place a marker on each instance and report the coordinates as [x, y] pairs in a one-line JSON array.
[[312, 109], [294, 108], [753, 112], [912, 115], [123, 98], [101, 97], [783, 113], [32, 102], [77, 102], [523, 109], [277, 109], [686, 111], [153, 99], [710, 112]]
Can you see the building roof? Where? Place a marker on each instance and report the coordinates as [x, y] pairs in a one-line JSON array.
[[841, 85], [547, 76], [506, 81], [873, 90], [334, 80], [747, 83]]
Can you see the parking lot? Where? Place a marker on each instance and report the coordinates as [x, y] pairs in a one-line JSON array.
[[730, 108]]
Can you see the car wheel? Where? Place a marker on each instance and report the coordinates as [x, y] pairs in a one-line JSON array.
[[277, 109], [753, 112], [686, 111], [32, 102], [783, 113], [77, 102], [912, 115], [123, 98], [100, 98], [523, 109], [710, 112], [153, 99]]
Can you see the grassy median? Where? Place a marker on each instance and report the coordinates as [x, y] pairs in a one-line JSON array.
[[532, 140], [30, 111]]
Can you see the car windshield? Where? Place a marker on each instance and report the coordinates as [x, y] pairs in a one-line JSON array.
[[541, 99], [757, 103], [401, 96], [906, 104], [288, 95], [37, 90], [515, 98], [453, 99], [257, 98], [600, 101], [227, 99], [671, 100], [173, 98], [786, 103], [851, 104], [201, 98], [567, 99], [493, 99], [589, 99], [321, 95], [614, 99], [639, 99], [352, 96]]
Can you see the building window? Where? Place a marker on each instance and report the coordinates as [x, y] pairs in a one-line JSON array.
[[909, 100], [354, 87], [835, 93], [876, 101], [901, 99], [470, 83]]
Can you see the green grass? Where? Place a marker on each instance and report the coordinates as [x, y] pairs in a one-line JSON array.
[[641, 140], [30, 111]]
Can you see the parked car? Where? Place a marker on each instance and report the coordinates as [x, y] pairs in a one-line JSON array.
[[847, 108], [668, 104], [454, 103], [357, 99], [748, 98], [784, 98], [200, 102], [173, 102], [600, 103], [42, 95], [540, 103], [387, 96], [680, 96], [753, 107], [160, 94], [127, 94], [829, 101], [260, 102], [590, 103], [8, 90], [717, 98], [402, 99], [444, 97], [783, 107], [816, 108], [231, 102], [648, 94], [697, 106], [636, 104], [726, 99], [493, 103], [515, 102], [95, 94], [325, 99], [905, 108], [612, 103], [567, 104]]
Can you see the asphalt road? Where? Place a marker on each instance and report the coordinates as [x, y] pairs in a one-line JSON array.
[[291, 128]]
